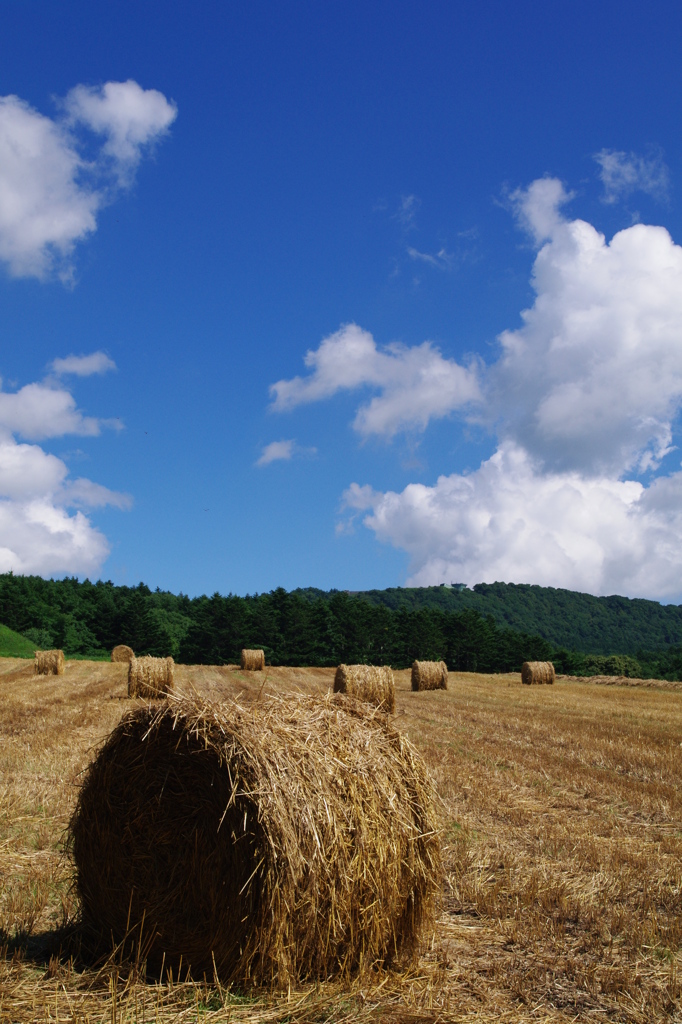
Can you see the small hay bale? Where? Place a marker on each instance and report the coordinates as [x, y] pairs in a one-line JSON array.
[[534, 672], [292, 839], [122, 653], [150, 677], [253, 661], [372, 684], [48, 663], [429, 675]]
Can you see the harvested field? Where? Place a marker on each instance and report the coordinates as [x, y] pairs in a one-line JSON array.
[[562, 849], [650, 684]]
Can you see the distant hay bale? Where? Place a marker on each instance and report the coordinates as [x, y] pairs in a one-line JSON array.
[[372, 684], [253, 661], [122, 653], [48, 663], [429, 675], [150, 677], [292, 839], [534, 672]]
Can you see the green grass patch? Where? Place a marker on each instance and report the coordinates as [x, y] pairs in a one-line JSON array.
[[14, 645]]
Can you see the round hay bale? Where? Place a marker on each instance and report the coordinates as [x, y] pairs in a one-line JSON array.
[[253, 661], [534, 672], [429, 675], [289, 840], [48, 663], [150, 678], [372, 684], [122, 653]]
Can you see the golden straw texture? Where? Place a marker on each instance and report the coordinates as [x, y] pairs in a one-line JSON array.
[[533, 672], [370, 683], [429, 675], [253, 661], [48, 663], [289, 839], [150, 677], [122, 653]]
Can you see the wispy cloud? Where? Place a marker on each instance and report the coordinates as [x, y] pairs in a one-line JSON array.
[[442, 259], [407, 211], [283, 451], [624, 173], [83, 366]]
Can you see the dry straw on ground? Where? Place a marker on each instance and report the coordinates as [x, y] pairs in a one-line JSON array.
[[291, 839], [150, 677], [48, 663], [534, 672], [252, 661], [370, 683], [562, 848], [122, 653], [429, 675]]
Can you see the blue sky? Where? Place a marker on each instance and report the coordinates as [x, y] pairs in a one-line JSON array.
[[203, 194]]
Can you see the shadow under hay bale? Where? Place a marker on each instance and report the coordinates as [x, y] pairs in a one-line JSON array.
[[429, 675], [48, 663], [537, 672], [292, 839], [253, 661], [372, 684], [122, 653], [150, 677]]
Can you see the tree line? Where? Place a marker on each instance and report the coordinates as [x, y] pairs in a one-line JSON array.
[[569, 620], [294, 628]]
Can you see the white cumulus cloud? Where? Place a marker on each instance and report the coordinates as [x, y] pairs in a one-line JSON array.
[[39, 532], [511, 520], [584, 399], [415, 384], [50, 193], [42, 538], [128, 116], [593, 378], [538, 207]]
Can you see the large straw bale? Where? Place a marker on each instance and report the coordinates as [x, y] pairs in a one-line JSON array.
[[150, 677], [291, 839], [48, 663], [429, 675], [533, 672], [253, 661], [122, 653], [370, 683]]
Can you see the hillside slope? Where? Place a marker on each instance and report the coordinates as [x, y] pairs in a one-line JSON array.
[[14, 645], [578, 622]]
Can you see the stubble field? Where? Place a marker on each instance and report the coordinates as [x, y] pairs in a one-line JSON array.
[[562, 837]]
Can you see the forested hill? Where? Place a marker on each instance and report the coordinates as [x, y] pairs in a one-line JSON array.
[[490, 629], [577, 622]]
